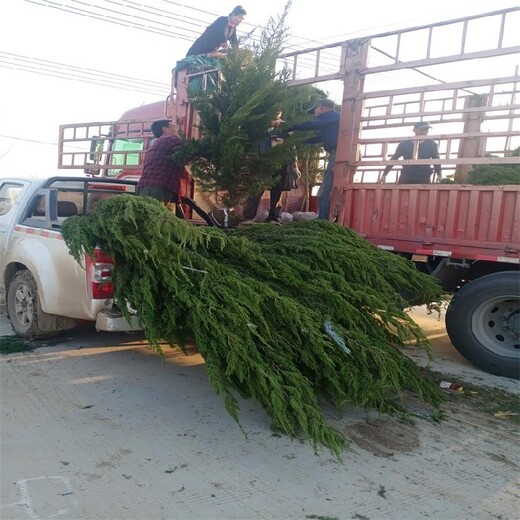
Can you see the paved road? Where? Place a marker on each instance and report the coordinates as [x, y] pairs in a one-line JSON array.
[[94, 426]]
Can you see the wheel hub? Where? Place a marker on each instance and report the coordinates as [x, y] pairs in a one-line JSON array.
[[511, 323], [24, 305], [496, 322]]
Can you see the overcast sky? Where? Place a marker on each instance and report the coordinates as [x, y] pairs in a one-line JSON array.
[[58, 58]]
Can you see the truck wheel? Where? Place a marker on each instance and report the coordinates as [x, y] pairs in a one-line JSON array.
[[23, 307], [483, 323]]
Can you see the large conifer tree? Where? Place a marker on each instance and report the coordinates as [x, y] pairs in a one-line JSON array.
[[235, 116]]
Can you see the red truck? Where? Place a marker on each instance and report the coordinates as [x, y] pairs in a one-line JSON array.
[[467, 236]]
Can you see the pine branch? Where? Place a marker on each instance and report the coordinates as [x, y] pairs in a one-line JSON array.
[[287, 315]]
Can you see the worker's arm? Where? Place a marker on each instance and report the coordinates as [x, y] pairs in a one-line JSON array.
[[436, 167], [397, 154]]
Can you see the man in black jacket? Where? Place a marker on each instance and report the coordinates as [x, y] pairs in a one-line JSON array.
[[326, 125], [427, 149], [221, 34]]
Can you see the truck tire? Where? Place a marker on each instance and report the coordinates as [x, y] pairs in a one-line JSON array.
[[483, 323], [24, 310]]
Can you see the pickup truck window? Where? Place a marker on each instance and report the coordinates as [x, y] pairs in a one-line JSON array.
[[59, 199], [65, 208], [9, 192]]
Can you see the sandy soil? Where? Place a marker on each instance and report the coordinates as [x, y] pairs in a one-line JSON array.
[[94, 426]]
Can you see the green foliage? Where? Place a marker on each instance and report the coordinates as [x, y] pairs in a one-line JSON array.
[[447, 180], [287, 315], [496, 174], [235, 117], [12, 344]]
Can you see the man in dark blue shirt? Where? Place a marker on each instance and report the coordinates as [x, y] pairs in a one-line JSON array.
[[427, 149], [326, 125]]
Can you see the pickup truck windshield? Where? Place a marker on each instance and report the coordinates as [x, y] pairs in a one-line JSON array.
[[9, 192], [130, 149]]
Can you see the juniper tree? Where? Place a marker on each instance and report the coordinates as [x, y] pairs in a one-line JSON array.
[[287, 315]]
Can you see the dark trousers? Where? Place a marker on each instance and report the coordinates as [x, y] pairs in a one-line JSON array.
[[274, 208], [253, 201], [414, 177], [325, 189]]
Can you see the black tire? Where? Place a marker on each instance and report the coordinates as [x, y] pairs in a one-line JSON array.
[[483, 323], [24, 310]]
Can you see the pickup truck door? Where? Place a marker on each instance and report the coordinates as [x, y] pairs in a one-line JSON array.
[[40, 247]]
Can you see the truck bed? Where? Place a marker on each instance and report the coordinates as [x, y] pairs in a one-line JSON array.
[[460, 221]]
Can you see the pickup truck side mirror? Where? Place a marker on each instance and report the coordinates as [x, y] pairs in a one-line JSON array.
[[95, 155]]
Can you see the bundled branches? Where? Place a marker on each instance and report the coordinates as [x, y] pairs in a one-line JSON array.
[[286, 315]]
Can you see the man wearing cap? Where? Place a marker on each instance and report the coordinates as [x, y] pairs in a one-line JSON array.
[[427, 149], [326, 124]]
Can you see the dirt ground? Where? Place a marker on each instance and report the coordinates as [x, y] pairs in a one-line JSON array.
[[94, 426]]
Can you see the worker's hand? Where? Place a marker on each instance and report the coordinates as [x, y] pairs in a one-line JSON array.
[[216, 54], [437, 177], [277, 123]]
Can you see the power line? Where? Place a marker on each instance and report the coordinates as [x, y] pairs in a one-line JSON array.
[[165, 29], [84, 70], [111, 19], [147, 24], [37, 71], [35, 141], [14, 138], [72, 72], [164, 13], [124, 19]]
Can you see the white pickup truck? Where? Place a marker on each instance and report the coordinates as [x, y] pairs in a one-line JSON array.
[[45, 289]]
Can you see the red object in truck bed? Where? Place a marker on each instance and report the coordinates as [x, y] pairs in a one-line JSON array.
[[462, 221]]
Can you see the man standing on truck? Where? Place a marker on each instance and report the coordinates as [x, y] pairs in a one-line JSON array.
[[209, 48], [427, 149], [217, 37], [326, 124], [161, 176]]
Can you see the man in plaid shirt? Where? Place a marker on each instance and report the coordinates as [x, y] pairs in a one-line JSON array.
[[161, 176]]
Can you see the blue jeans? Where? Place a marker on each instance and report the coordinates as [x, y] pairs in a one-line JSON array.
[[326, 188]]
